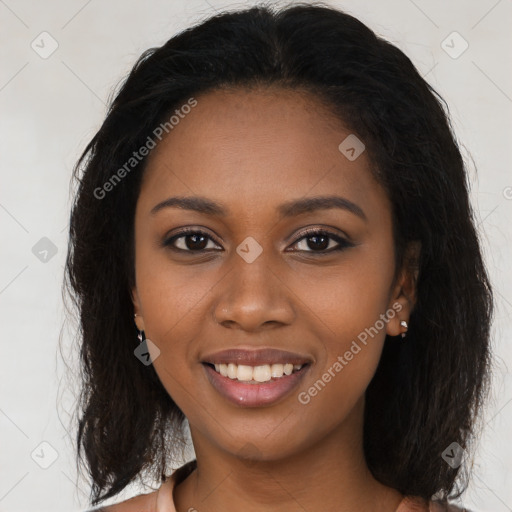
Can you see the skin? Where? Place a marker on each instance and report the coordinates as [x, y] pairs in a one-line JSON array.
[[251, 151]]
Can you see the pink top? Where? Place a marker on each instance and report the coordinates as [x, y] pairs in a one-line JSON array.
[[163, 500]]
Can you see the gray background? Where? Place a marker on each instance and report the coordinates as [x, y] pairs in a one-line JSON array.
[[51, 105]]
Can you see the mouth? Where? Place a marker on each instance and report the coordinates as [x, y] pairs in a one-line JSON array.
[[255, 378], [255, 386], [256, 374]]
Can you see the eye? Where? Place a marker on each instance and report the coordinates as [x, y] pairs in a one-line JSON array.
[[320, 241], [194, 240]]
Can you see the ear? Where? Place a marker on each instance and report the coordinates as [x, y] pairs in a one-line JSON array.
[[139, 320], [404, 293]]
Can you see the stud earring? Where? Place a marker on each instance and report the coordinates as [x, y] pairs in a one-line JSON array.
[[403, 323]]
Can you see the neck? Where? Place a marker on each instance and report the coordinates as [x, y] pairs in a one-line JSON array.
[[330, 474]]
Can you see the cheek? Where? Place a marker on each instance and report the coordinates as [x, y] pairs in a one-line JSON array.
[[172, 296], [338, 383], [346, 309], [345, 302], [173, 309]]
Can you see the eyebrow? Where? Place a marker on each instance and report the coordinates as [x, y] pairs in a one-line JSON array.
[[288, 209]]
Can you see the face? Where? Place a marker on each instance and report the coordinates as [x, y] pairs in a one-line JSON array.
[[261, 268]]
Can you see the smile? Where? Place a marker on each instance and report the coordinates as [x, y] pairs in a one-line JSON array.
[[256, 374], [277, 381]]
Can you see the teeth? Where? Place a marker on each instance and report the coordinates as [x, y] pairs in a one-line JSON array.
[[244, 372], [232, 371], [276, 370], [263, 373]]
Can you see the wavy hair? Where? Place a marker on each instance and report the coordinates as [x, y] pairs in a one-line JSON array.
[[426, 393]]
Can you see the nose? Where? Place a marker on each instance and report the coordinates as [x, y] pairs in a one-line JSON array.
[[253, 297]]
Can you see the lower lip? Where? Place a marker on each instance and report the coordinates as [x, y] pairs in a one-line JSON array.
[[254, 395]]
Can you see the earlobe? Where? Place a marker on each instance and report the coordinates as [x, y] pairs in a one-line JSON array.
[[405, 293], [398, 317], [139, 321]]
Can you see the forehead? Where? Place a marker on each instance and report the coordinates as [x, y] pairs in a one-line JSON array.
[[257, 147]]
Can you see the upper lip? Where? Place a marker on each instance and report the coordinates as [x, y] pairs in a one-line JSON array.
[[255, 357]]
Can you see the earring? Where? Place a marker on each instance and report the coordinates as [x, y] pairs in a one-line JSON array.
[[403, 323], [140, 332]]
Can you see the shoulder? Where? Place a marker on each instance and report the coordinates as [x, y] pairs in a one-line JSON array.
[[161, 499], [417, 504], [437, 506], [140, 503], [447, 507]]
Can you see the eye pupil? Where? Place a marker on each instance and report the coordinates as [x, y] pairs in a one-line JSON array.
[[196, 236], [323, 245]]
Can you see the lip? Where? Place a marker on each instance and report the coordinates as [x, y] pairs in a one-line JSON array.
[[256, 357], [262, 394]]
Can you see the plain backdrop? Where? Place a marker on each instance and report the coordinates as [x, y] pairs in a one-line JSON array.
[[52, 104]]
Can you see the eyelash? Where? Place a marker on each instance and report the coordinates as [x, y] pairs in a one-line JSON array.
[[343, 244]]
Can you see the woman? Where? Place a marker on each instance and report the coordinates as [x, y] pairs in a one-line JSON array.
[[272, 239]]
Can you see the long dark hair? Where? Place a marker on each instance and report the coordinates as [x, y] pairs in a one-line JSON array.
[[426, 393]]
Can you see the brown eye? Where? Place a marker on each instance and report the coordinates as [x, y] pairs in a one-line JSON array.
[[193, 241], [320, 241], [313, 241]]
